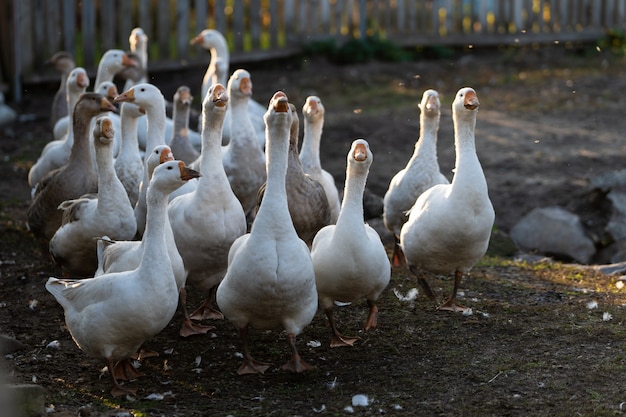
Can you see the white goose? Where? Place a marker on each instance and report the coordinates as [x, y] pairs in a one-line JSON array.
[[270, 280], [207, 220], [56, 152], [105, 316], [73, 179], [73, 246], [64, 63], [243, 157], [421, 173], [109, 90], [313, 112], [148, 97], [449, 226], [111, 62], [217, 72], [118, 256], [138, 42], [349, 258], [129, 163], [179, 142]]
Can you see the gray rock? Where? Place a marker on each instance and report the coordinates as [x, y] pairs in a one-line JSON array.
[[24, 400], [553, 231]]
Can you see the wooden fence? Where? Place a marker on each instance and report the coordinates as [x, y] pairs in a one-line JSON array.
[[32, 30]]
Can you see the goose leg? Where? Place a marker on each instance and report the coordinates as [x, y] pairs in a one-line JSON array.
[[423, 283], [125, 371], [188, 327], [451, 304], [338, 339], [397, 258], [372, 318], [295, 364], [206, 311], [118, 390], [250, 365]]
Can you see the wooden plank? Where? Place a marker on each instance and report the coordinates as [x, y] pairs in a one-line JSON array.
[[255, 23], [89, 44], [69, 26], [125, 24], [274, 24], [238, 30], [107, 17], [53, 25], [201, 23], [145, 18], [220, 18], [163, 29], [182, 30], [38, 29]]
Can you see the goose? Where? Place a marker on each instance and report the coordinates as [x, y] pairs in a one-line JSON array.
[[73, 179], [217, 72], [64, 63], [132, 75], [73, 246], [104, 315], [420, 173], [313, 112], [306, 197], [138, 42], [118, 256], [449, 225], [56, 152], [180, 143], [207, 220], [129, 162], [111, 63], [149, 98], [270, 280], [243, 157], [349, 258], [109, 90]]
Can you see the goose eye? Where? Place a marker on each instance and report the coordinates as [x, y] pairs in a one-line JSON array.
[[170, 168]]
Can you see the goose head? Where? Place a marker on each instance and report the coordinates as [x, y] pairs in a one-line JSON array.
[[240, 84], [360, 154], [466, 103], [208, 39], [62, 61], [217, 97], [114, 60], [430, 105], [183, 96], [159, 155], [145, 95], [78, 80], [171, 175], [313, 108], [137, 39], [107, 89], [103, 130], [93, 104]]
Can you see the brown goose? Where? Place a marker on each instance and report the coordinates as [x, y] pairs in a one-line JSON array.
[[180, 143], [64, 63], [73, 179], [308, 205]]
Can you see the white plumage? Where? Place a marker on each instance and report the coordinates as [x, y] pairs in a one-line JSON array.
[[421, 173], [270, 280], [349, 258], [449, 226]]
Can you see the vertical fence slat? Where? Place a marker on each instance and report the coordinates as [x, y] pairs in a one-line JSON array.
[[163, 28], [200, 7], [107, 19], [125, 23], [255, 23], [53, 24], [69, 26], [145, 18], [182, 30], [238, 26], [220, 16], [88, 32], [274, 24]]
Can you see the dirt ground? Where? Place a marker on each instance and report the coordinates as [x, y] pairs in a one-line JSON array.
[[543, 339]]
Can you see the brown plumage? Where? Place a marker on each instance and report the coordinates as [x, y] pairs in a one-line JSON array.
[[306, 197], [72, 180]]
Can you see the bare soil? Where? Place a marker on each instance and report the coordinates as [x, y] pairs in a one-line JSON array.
[[544, 338]]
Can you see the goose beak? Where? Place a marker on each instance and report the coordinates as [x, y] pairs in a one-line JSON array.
[[471, 100], [245, 86], [112, 92], [166, 155], [196, 40], [312, 107], [186, 98], [280, 102], [187, 173], [431, 104], [106, 128], [220, 97], [126, 96], [127, 62], [105, 105], [82, 80], [360, 152]]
